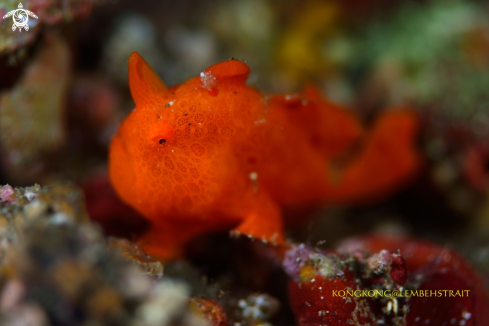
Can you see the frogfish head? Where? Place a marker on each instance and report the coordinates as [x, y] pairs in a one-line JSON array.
[[173, 153]]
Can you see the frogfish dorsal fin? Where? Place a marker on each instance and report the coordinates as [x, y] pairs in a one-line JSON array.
[[147, 88], [231, 70]]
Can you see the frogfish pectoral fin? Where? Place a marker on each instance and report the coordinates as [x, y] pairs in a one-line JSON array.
[[263, 221], [165, 241], [147, 88]]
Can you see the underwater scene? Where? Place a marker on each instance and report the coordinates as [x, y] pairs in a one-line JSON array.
[[244, 163]]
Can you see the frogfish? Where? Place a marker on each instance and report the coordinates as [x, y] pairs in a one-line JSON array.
[[214, 154]]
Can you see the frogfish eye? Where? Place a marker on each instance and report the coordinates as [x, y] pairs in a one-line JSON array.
[[161, 134]]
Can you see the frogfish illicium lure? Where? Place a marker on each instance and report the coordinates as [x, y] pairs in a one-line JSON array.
[[215, 154]]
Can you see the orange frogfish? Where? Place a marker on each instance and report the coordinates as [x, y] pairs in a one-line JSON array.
[[215, 154]]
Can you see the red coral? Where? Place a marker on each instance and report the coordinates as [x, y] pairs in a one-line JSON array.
[[106, 208], [476, 166], [316, 279], [398, 270], [434, 268]]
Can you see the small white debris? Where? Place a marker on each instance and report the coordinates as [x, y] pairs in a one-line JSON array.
[[258, 307], [60, 218], [168, 299], [208, 81], [253, 176], [254, 179], [29, 194]]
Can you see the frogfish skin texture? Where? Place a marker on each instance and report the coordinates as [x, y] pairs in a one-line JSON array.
[[215, 154]]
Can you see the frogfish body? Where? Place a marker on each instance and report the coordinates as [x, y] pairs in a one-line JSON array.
[[215, 154]]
